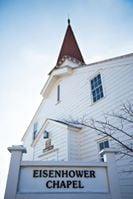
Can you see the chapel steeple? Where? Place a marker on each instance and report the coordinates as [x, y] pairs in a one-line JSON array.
[[69, 47]]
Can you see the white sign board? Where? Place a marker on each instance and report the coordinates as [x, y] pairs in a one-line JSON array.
[[35, 179]]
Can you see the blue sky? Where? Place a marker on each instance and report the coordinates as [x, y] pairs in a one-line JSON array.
[[31, 33]]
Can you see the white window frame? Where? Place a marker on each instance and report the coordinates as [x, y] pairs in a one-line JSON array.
[[102, 80]]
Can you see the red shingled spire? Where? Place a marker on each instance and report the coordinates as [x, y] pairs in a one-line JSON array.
[[70, 47]]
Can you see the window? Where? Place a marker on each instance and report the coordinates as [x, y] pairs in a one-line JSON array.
[[102, 145], [35, 130], [46, 135], [96, 88], [58, 93]]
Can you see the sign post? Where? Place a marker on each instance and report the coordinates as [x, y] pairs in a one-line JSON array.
[[14, 168], [109, 157]]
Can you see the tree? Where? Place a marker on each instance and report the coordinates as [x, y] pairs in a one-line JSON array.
[[117, 126]]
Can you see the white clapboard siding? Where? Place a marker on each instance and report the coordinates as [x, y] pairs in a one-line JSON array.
[[74, 145], [76, 104], [58, 135]]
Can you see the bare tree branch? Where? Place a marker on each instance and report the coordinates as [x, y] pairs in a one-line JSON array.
[[105, 133], [108, 127], [115, 128]]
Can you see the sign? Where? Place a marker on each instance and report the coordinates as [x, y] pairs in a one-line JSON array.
[[63, 179], [48, 145]]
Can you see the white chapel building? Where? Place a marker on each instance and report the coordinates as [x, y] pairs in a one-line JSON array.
[[74, 93]]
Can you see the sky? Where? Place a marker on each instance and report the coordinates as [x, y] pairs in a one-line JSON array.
[[31, 34]]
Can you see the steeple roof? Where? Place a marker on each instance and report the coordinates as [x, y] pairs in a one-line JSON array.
[[70, 47]]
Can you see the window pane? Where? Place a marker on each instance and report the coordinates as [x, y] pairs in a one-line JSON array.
[[96, 83], [94, 93], [35, 127], [94, 99], [46, 134], [99, 77], [99, 81], [58, 93], [98, 97], [101, 89], [35, 130], [101, 146], [98, 91], [101, 95], [106, 144]]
